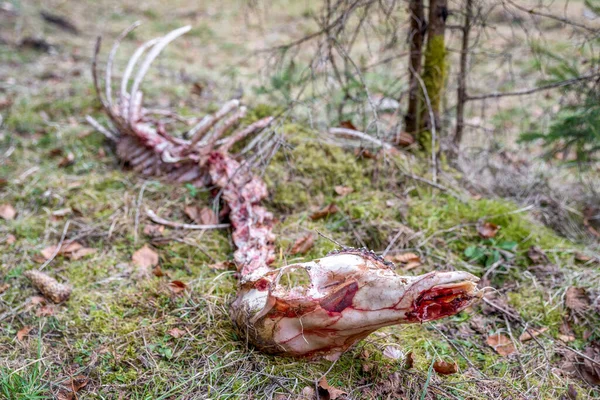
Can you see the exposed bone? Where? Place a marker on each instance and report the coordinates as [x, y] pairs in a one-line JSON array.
[[111, 57], [348, 295]]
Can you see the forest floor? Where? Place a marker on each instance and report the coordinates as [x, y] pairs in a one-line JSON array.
[[123, 334]]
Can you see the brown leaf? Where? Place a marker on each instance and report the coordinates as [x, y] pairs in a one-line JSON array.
[[328, 391], [45, 311], [35, 300], [537, 255], [66, 248], [11, 239], [343, 190], [324, 212], [404, 258], [222, 265], [83, 252], [145, 258], [303, 244], [79, 382], [348, 125], [201, 215], [153, 230], [566, 338], [176, 333], [582, 257], [68, 160], [23, 332], [528, 335], [487, 230], [177, 287], [157, 271], [409, 361], [577, 300], [445, 368], [7, 212], [404, 139], [392, 352], [197, 88], [501, 344], [4, 287]]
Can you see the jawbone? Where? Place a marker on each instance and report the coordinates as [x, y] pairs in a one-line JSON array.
[[350, 295]]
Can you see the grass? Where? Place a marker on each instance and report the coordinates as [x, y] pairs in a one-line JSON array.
[[115, 328]]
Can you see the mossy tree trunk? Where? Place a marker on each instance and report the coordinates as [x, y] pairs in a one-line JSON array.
[[416, 35], [434, 69]]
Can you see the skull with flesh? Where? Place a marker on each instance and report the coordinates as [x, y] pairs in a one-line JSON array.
[[349, 295]]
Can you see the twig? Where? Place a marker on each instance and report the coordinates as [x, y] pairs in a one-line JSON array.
[[177, 225], [58, 247], [428, 182], [360, 135], [554, 17], [97, 126], [533, 90], [331, 240], [433, 131]]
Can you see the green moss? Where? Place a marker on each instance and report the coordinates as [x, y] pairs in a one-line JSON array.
[[434, 70]]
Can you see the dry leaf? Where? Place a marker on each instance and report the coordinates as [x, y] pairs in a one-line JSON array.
[[404, 258], [4, 287], [328, 391], [177, 287], [537, 255], [325, 212], [308, 393], [582, 257], [45, 311], [487, 230], [343, 190], [176, 333], [7, 212], [68, 160], [347, 125], [303, 244], [145, 258], [392, 352], [11, 239], [445, 368], [404, 139], [79, 382], [409, 361], [566, 338], [222, 265], [157, 271], [501, 344], [23, 332], [527, 335], [577, 300], [77, 254], [202, 216], [153, 230], [66, 248], [35, 300]]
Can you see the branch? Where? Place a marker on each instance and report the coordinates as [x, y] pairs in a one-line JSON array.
[[551, 16], [177, 225], [534, 90]]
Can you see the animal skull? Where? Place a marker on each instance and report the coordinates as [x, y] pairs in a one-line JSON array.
[[351, 294]]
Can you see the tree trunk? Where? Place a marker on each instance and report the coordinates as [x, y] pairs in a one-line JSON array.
[[434, 70], [462, 76], [415, 38]]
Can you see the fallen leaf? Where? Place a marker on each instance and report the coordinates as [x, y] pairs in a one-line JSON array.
[[308, 393], [487, 230], [303, 244], [404, 139], [11, 239], [325, 212], [66, 248], [153, 230], [35, 300], [83, 252], [409, 361], [343, 190], [328, 391], [177, 287], [566, 338], [537, 255], [45, 311], [7, 212], [145, 258], [348, 125], [445, 368], [176, 333], [68, 160], [157, 271], [4, 287], [201, 215], [582, 257], [531, 333], [404, 258], [222, 265], [392, 352], [23, 332], [501, 344], [577, 300], [79, 382], [197, 88], [364, 153]]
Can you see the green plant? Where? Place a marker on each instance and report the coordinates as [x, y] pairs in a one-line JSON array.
[[490, 252]]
